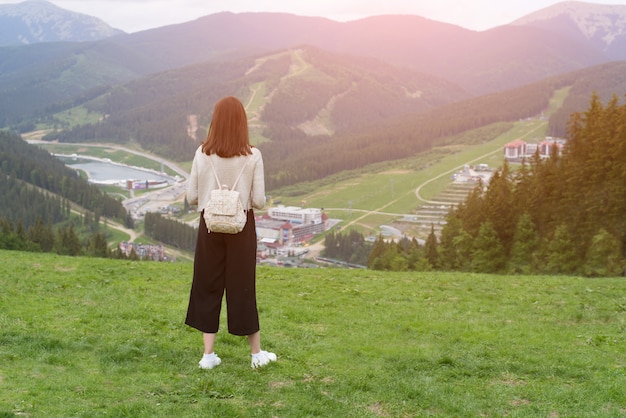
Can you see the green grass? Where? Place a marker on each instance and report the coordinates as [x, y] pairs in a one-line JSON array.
[[78, 116], [87, 337]]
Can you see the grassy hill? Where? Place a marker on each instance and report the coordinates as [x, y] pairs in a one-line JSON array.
[[95, 337]]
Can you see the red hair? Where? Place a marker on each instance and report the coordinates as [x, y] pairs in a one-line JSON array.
[[228, 134]]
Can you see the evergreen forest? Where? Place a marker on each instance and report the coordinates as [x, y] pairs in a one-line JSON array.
[[49, 207]]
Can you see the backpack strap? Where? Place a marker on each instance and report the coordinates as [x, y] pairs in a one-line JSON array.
[[238, 177]]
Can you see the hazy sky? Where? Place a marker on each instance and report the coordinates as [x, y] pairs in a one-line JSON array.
[[136, 15]]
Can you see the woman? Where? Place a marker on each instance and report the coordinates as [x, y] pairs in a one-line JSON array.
[[227, 262]]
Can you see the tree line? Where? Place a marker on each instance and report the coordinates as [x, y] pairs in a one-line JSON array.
[[170, 231], [64, 239], [350, 247]]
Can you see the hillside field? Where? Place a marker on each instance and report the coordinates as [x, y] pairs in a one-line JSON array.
[[87, 337]]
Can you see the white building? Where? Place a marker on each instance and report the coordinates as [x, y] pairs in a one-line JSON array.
[[290, 225], [296, 215]]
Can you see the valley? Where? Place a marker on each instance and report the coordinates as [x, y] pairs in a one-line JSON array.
[[378, 129], [403, 198], [406, 200]]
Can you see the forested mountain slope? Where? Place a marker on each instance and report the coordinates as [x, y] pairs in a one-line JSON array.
[[290, 95], [316, 115], [24, 164]]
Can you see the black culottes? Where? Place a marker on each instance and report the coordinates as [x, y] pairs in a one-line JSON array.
[[224, 263]]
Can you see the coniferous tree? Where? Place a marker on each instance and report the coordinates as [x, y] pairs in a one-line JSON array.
[[596, 161], [523, 257], [98, 246], [396, 260], [488, 254], [42, 234], [472, 212], [568, 197], [431, 250], [463, 246], [68, 242], [584, 171], [561, 255], [604, 257], [522, 181], [447, 248], [375, 259], [330, 245], [547, 193], [417, 257], [499, 208]]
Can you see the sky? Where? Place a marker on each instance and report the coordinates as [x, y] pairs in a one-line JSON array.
[[136, 15]]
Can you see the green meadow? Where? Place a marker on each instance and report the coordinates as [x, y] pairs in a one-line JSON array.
[[85, 337]]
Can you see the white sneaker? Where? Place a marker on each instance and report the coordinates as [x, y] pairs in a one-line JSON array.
[[262, 358], [209, 361]]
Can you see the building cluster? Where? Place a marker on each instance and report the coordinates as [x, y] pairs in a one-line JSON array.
[[132, 184], [473, 174], [284, 231], [518, 150], [290, 225], [143, 251]]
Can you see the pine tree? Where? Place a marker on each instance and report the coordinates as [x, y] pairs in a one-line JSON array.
[[463, 245], [561, 254], [417, 258], [488, 254], [375, 259], [68, 242], [42, 235], [604, 257], [98, 246], [395, 260], [523, 257], [499, 208], [472, 212], [430, 249], [447, 250]]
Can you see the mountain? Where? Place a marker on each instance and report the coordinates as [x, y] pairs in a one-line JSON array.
[[151, 86], [480, 62], [43, 78], [291, 95], [603, 27], [315, 114], [35, 21]]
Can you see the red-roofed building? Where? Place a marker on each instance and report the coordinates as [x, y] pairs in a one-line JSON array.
[[287, 226], [519, 149]]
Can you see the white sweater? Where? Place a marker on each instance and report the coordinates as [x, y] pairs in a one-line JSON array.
[[251, 185]]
